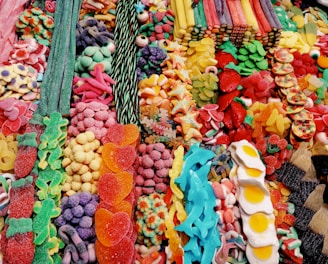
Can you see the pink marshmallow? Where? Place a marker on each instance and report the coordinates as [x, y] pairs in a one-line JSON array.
[[80, 116], [159, 164], [81, 126], [168, 163], [142, 148], [155, 155], [88, 113], [148, 190], [161, 187], [147, 162], [98, 124], [166, 154], [89, 122], [140, 180], [159, 146], [162, 172], [158, 179], [80, 106], [148, 173], [74, 121], [102, 115]]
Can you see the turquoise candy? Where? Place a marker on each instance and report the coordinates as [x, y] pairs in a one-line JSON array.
[[201, 222]]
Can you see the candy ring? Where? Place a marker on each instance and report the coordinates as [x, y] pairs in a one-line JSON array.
[[141, 41], [211, 69]]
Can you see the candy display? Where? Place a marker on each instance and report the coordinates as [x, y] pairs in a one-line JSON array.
[[157, 131]]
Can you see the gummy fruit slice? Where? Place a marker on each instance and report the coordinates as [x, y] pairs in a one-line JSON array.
[[111, 228]]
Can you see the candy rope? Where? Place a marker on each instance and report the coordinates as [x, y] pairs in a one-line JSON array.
[[57, 82], [124, 60]]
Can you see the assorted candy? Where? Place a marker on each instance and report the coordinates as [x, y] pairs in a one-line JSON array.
[[194, 131]]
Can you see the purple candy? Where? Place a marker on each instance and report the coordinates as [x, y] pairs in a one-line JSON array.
[[86, 222], [73, 200], [85, 197], [77, 211], [67, 214], [90, 209]]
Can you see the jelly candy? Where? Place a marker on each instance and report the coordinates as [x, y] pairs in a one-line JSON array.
[[113, 188], [123, 252], [110, 227], [118, 158]]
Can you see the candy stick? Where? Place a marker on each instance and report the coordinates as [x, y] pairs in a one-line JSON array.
[[216, 22], [68, 74], [189, 15], [200, 8], [249, 15]]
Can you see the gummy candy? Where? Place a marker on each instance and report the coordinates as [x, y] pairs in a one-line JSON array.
[[118, 158], [123, 252], [113, 188], [110, 227], [123, 206]]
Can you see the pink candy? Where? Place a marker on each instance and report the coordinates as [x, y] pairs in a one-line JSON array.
[[94, 116], [152, 168]]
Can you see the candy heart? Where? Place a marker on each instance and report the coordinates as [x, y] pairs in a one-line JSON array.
[[111, 228], [114, 187], [118, 158]]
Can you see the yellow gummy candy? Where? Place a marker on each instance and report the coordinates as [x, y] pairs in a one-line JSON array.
[[273, 117]]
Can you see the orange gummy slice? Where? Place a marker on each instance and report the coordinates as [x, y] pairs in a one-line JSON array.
[[118, 158], [123, 252], [131, 135], [114, 187], [123, 135], [110, 227]]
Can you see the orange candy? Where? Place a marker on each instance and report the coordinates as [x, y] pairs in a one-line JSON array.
[[123, 135], [114, 187], [110, 227], [123, 206], [118, 158]]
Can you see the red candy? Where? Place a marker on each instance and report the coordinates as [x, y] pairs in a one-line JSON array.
[[123, 252]]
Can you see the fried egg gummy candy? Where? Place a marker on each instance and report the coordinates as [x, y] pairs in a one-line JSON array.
[[255, 204]]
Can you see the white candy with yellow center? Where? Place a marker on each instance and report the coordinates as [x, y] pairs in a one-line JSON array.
[[255, 204]]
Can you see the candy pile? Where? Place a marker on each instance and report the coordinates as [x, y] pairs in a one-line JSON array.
[[158, 131], [152, 168]]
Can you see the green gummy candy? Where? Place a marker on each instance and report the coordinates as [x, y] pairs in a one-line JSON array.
[[242, 57], [22, 182], [249, 64], [41, 254], [85, 61], [105, 51], [260, 49], [98, 56], [27, 139], [19, 226], [255, 57], [89, 51], [263, 64], [243, 51], [251, 47], [108, 66]]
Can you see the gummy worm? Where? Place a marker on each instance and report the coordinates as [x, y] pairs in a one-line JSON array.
[[69, 253], [78, 242]]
